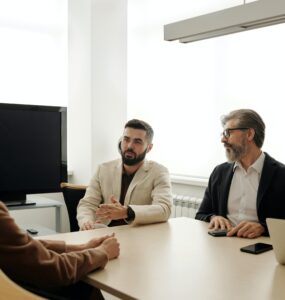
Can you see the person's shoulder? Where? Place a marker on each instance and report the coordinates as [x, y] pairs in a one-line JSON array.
[[107, 167], [275, 162], [111, 163], [154, 166], [223, 167]]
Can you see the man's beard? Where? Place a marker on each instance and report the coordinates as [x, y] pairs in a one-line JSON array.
[[132, 161], [235, 152]]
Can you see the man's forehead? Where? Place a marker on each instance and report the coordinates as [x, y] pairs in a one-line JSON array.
[[134, 133]]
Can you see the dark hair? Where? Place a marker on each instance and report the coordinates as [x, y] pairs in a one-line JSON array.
[[248, 118], [139, 124]]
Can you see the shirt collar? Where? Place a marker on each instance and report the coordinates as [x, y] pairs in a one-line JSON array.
[[125, 174], [257, 165]]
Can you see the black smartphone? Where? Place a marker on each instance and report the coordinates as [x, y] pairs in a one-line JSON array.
[[256, 248], [218, 232]]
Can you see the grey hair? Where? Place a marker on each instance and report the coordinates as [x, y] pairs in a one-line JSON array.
[[248, 118]]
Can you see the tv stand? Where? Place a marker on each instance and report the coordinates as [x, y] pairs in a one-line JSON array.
[[19, 203], [36, 201]]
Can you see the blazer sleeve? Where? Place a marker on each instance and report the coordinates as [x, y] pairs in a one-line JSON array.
[[42, 263], [159, 209], [90, 202], [206, 209]]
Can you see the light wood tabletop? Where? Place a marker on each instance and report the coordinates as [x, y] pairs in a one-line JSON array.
[[179, 260]]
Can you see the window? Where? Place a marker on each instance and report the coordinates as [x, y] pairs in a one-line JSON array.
[[183, 89], [33, 52]]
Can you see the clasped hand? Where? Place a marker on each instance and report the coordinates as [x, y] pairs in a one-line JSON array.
[[244, 229], [113, 211], [107, 243]]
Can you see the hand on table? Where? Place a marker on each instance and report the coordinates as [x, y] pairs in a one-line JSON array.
[[219, 222], [111, 247], [247, 229], [95, 242]]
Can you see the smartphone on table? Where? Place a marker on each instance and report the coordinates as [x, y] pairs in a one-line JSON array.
[[218, 232], [256, 248]]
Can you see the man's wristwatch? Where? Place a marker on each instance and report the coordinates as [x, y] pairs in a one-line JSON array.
[[131, 214]]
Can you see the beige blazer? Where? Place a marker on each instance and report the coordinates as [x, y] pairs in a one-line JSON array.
[[149, 193]]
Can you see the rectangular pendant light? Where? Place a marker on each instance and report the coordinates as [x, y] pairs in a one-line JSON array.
[[231, 20]]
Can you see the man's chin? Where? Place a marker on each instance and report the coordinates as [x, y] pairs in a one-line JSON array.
[[230, 156], [134, 160], [129, 162]]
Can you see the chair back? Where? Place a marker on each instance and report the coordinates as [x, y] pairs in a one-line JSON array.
[[11, 290], [72, 193]]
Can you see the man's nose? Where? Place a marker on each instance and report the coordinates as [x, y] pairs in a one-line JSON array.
[[223, 138], [130, 145]]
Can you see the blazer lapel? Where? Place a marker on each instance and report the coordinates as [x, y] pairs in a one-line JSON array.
[[225, 189], [268, 170], [117, 179]]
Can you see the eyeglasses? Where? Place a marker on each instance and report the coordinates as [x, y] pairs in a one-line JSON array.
[[227, 132]]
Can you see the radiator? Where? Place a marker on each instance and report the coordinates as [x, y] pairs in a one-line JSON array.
[[185, 206]]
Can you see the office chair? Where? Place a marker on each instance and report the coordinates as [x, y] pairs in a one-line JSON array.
[[11, 290], [72, 193]]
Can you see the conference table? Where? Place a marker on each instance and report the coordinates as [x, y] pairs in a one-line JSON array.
[[179, 260]]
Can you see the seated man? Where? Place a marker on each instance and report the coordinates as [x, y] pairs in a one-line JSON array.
[[241, 194], [51, 268], [130, 189]]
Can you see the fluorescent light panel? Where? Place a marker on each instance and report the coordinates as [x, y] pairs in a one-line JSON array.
[[236, 19]]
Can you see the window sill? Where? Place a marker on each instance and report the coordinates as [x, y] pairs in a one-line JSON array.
[[189, 180]]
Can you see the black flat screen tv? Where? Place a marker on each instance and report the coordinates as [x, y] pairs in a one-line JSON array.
[[33, 150]]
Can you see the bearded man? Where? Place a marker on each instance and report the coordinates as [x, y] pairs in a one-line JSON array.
[[130, 189], [249, 188]]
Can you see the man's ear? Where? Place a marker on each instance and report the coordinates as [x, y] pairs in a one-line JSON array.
[[251, 134], [149, 147], [119, 145]]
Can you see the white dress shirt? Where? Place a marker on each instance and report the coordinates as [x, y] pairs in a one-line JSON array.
[[243, 192]]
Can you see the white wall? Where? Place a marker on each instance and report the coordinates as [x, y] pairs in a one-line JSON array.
[[79, 88], [97, 106], [109, 77]]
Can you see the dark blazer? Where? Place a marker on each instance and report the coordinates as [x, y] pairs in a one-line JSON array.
[[270, 195]]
